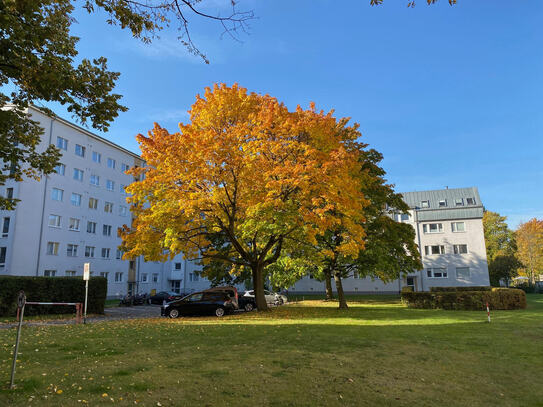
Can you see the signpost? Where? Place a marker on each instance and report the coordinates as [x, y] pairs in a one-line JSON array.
[[21, 300], [86, 276]]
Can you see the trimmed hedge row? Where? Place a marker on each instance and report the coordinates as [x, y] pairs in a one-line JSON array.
[[466, 288], [497, 298], [51, 289]]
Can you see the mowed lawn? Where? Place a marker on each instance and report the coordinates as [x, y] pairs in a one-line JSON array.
[[303, 354]]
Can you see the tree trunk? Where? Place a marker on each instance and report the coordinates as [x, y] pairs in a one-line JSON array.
[[258, 287], [340, 294], [328, 281]]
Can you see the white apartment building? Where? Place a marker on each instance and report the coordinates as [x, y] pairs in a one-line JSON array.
[[72, 216], [449, 234]]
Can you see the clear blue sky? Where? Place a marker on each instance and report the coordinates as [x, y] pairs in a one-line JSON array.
[[452, 96]]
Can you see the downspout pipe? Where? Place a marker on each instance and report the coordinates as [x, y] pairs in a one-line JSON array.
[[43, 205]]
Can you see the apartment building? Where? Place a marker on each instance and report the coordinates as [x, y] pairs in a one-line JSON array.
[[449, 234]]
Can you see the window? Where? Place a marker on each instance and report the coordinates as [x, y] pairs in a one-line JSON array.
[[49, 273], [110, 185], [470, 201], [52, 248], [143, 277], [95, 180], [62, 143], [118, 277], [9, 193], [79, 150], [60, 169], [105, 253], [176, 286], [93, 203], [71, 250], [459, 202], [106, 230], [460, 248], [74, 224], [75, 199], [436, 249], [89, 251], [178, 266], [404, 217], [356, 274], [425, 204], [110, 163], [119, 255], [108, 207], [193, 277], [57, 194], [78, 174], [155, 277], [437, 273], [122, 210], [2, 256], [91, 227], [69, 273], [462, 273], [96, 157], [443, 203], [54, 221], [5, 227], [124, 167], [432, 228], [104, 274], [122, 189], [458, 226]]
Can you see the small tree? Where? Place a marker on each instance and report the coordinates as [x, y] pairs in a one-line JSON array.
[[251, 171], [530, 248]]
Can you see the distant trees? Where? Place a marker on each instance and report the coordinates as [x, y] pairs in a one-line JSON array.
[[529, 236]]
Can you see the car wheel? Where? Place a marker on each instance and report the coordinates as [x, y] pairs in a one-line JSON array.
[[280, 301], [173, 313], [249, 307], [220, 312]]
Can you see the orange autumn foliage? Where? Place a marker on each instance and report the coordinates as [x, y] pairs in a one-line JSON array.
[[250, 170]]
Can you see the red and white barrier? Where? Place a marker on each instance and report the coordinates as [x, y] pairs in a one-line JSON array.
[[78, 308]]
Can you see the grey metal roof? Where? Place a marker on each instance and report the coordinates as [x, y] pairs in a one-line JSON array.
[[451, 210]]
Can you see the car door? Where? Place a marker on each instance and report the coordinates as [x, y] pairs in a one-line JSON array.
[[191, 304]]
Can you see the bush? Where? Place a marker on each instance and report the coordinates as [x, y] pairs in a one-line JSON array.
[[463, 288], [51, 289], [497, 298], [407, 289]]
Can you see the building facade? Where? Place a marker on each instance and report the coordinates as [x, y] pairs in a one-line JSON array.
[[449, 234], [71, 217]]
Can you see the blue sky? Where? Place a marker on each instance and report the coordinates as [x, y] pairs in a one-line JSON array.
[[452, 96]]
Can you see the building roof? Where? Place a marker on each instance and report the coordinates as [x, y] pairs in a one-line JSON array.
[[88, 133], [445, 204]]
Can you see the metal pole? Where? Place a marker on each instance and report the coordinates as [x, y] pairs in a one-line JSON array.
[[86, 295], [16, 351]]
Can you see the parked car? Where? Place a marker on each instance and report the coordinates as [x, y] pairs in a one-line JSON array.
[[167, 296], [137, 299], [230, 290], [271, 297], [247, 303], [217, 303]]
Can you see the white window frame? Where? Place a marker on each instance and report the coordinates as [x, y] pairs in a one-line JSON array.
[[71, 250], [425, 203], [106, 230], [92, 226], [89, 251], [454, 227], [76, 202], [118, 255], [96, 157], [62, 143], [106, 251], [78, 175], [3, 253], [110, 185], [426, 228], [95, 180], [473, 201], [70, 273], [74, 224], [6, 226], [428, 251], [93, 203], [459, 202], [177, 266], [56, 221], [60, 169], [49, 273], [155, 277], [52, 248], [108, 207], [124, 167], [58, 193], [457, 247], [80, 150], [111, 163], [123, 210], [105, 274], [144, 278], [118, 277], [431, 272]]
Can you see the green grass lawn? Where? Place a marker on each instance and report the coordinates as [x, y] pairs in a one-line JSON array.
[[304, 354]]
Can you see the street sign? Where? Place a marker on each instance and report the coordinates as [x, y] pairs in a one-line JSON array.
[[86, 271]]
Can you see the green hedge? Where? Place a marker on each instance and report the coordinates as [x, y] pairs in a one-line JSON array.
[[497, 298], [465, 288], [51, 289]]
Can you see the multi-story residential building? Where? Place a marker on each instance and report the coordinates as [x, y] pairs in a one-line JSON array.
[[449, 234]]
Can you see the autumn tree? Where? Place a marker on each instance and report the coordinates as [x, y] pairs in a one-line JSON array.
[[501, 248], [530, 248], [254, 172], [390, 248]]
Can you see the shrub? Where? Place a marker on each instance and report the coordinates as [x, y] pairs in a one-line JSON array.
[[463, 288], [51, 289], [497, 298], [407, 289]]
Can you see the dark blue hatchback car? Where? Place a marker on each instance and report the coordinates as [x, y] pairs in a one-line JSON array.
[[201, 303]]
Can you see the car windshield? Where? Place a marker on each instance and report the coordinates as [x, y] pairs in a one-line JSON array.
[[267, 292]]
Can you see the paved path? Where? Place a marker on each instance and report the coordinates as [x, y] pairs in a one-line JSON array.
[[114, 313]]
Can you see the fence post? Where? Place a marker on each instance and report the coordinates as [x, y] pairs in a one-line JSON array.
[[20, 305]]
